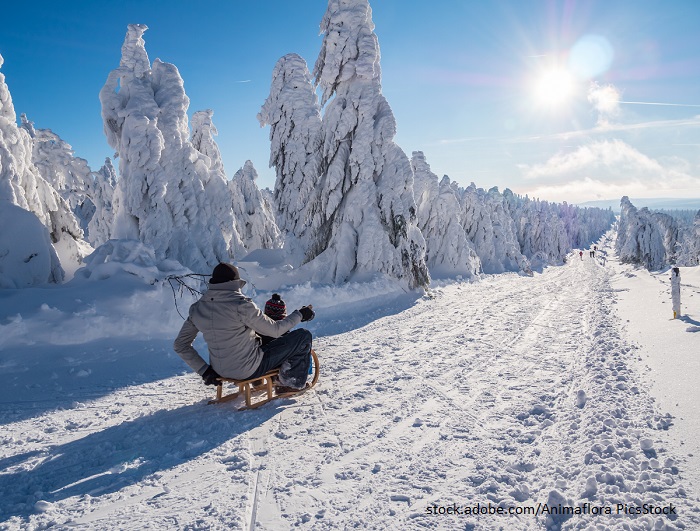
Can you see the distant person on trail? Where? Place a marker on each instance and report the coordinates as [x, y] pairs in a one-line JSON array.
[[676, 292], [232, 324], [580, 253]]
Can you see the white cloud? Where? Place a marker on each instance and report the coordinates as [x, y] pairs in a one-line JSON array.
[[606, 100], [607, 169]]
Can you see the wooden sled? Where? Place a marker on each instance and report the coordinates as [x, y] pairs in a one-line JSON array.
[[263, 392]]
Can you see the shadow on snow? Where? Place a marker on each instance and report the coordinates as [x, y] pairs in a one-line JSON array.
[[116, 457]]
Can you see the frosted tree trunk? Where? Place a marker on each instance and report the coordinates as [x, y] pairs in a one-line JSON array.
[[160, 197], [365, 198]]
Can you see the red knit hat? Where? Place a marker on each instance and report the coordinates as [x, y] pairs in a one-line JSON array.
[[275, 308]]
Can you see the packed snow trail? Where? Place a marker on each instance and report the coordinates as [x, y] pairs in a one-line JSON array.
[[513, 391]]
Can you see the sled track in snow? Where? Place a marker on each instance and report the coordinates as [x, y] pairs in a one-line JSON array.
[[468, 395]]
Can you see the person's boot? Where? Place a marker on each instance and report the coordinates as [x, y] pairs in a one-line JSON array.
[[283, 389]]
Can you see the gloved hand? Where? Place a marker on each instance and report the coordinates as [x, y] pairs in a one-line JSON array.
[[306, 313], [210, 376]]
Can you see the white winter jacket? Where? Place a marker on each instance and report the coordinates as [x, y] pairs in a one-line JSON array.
[[229, 321]]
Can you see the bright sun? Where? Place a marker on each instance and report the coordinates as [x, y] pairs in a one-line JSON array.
[[554, 87]]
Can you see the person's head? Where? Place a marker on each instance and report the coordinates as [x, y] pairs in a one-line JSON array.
[[275, 308], [223, 273], [676, 271]]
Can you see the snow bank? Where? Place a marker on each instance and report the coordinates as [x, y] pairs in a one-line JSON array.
[[27, 257], [118, 257]]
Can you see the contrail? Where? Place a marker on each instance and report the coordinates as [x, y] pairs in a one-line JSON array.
[[657, 103]]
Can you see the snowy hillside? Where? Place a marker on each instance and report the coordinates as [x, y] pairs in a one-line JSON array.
[[512, 392]]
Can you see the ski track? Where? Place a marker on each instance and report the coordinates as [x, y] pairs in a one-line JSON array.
[[468, 396]]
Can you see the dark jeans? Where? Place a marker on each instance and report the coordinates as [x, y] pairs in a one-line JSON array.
[[290, 354]]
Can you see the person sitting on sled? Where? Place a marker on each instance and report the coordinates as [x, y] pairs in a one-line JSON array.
[[232, 324]]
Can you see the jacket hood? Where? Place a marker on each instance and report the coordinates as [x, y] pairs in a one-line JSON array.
[[225, 290]]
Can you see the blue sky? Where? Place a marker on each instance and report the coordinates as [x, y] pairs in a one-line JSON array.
[[560, 100]]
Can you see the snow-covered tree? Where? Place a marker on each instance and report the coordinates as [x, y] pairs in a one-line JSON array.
[[293, 114], [216, 188], [69, 175], [689, 247], [490, 228], [21, 183], [160, 197], [254, 216], [448, 251], [642, 237], [365, 198], [539, 229], [657, 239], [101, 194], [202, 138]]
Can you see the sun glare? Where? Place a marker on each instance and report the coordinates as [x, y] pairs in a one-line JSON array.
[[554, 87]]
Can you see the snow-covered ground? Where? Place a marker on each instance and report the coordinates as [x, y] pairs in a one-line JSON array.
[[511, 392], [668, 350]]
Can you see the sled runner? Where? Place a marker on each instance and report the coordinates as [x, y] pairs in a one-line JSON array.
[[249, 391]]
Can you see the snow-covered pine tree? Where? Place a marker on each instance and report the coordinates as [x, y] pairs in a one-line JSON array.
[[101, 194], [160, 196], [21, 184], [448, 251], [216, 187], [641, 238], [202, 138], [689, 254], [293, 114], [365, 195], [539, 229], [69, 175], [490, 228], [253, 214]]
